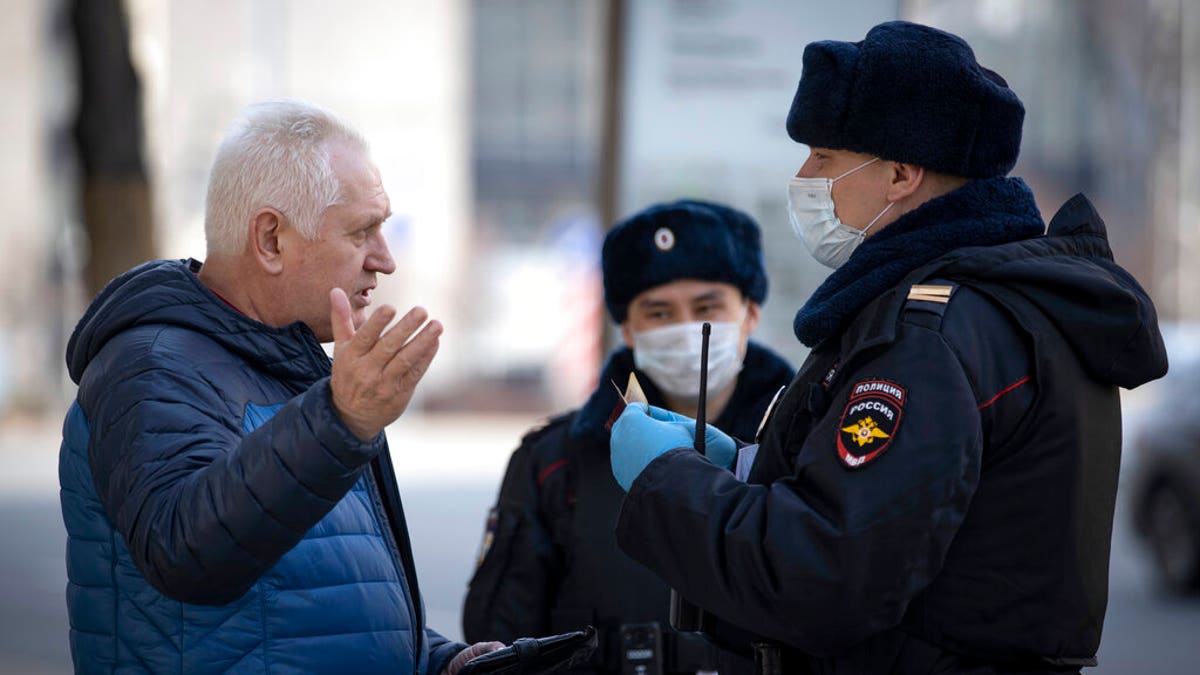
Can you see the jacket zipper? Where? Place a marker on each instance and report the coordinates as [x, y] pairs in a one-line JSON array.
[[418, 630]]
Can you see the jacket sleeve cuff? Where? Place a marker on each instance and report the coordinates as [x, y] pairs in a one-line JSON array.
[[332, 433], [441, 655], [652, 472]]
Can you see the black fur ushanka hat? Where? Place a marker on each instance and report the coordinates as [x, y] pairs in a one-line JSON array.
[[686, 239], [908, 93]]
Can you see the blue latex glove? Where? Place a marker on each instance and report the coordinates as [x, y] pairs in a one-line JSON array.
[[719, 447], [640, 435]]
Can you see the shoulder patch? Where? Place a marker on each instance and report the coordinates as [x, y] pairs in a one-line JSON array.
[[489, 536], [870, 421]]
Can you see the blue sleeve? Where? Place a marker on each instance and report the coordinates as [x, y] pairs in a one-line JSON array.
[[204, 509], [831, 554], [441, 651]]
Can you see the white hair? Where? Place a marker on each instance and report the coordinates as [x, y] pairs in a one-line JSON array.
[[276, 155]]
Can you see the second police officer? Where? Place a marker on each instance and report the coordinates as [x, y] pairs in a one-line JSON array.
[[551, 562]]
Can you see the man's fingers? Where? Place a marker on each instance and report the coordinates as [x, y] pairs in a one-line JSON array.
[[461, 658], [409, 364], [480, 648], [404, 329], [389, 344], [664, 415], [339, 316], [368, 334]]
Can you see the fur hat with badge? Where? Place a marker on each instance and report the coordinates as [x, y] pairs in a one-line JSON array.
[[908, 93], [686, 239]]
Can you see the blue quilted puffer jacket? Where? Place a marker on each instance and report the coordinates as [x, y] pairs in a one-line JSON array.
[[220, 517]]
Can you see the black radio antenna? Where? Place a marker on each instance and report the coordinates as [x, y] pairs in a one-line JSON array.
[[701, 403]]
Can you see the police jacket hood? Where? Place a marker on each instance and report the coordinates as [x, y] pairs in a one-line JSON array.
[[164, 292], [1069, 276]]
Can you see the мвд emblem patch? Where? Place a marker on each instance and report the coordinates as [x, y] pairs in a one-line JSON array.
[[870, 421]]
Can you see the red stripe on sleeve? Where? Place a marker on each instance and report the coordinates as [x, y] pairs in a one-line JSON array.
[[549, 470], [1004, 391]]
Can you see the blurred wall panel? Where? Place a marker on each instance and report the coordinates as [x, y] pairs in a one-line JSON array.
[[1111, 92], [708, 85], [395, 69], [38, 205]]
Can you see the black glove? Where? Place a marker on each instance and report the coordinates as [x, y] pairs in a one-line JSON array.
[[530, 656]]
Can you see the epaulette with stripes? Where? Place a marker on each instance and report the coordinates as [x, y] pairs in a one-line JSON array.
[[926, 303]]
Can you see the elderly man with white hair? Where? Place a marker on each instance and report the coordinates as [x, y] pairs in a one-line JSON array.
[[227, 490]]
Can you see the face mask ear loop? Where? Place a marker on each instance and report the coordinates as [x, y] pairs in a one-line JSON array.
[[876, 218], [869, 162]]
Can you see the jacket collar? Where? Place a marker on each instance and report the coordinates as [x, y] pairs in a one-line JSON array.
[[984, 212], [169, 293]]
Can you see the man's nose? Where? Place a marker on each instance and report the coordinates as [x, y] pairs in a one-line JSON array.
[[380, 258]]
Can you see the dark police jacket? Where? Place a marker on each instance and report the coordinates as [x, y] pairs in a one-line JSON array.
[[934, 491], [550, 561]]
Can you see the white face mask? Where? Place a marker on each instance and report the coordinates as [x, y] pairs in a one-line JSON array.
[[671, 357], [810, 208]]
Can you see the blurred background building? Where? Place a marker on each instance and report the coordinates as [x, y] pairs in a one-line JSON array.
[[510, 134]]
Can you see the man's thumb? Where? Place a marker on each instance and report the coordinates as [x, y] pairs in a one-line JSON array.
[[339, 315]]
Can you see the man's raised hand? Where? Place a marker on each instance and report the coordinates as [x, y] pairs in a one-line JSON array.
[[374, 372]]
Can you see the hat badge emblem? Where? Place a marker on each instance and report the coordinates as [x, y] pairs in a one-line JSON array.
[[664, 239]]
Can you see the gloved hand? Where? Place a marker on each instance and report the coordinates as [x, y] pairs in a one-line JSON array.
[[719, 447], [640, 435]]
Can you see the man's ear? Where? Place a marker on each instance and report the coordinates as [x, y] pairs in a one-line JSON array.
[[266, 230], [627, 333], [905, 180], [753, 316]]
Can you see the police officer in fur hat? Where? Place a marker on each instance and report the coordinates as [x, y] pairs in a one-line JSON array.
[[550, 562], [934, 491]]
